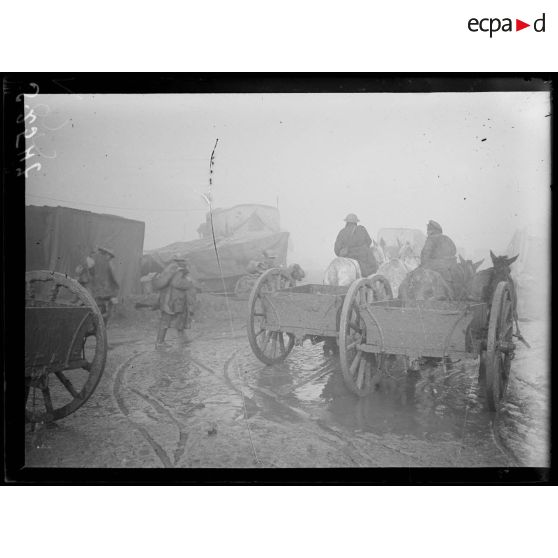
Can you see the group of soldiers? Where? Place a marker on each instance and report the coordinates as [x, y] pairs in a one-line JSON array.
[[438, 253], [177, 290]]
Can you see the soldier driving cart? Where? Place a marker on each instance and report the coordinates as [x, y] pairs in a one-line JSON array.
[[440, 254], [353, 241]]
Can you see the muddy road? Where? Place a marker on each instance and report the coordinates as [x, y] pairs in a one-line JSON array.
[[211, 403]]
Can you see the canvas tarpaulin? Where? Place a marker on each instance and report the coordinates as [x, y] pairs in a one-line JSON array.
[[234, 255], [241, 219], [59, 238]]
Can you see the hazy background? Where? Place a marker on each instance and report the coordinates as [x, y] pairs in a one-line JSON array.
[[397, 160]]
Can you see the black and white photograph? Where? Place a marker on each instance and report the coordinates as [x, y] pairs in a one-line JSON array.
[[281, 277]]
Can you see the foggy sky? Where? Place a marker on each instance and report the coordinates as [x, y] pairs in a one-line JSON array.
[[397, 160]]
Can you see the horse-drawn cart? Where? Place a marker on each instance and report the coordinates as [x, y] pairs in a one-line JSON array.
[[65, 346], [368, 326]]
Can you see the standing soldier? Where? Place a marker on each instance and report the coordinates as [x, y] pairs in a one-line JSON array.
[[176, 299], [97, 275]]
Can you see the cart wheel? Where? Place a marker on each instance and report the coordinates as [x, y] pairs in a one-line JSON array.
[[360, 369], [243, 287], [269, 346], [499, 352], [52, 396]]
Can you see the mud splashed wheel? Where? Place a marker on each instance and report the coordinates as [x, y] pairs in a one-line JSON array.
[[500, 346], [361, 370], [269, 346], [53, 391]]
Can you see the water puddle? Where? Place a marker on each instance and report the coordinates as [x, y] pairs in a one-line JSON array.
[[429, 405]]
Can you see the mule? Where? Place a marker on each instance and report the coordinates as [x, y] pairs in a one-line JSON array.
[[395, 272], [424, 284], [408, 257], [485, 282], [378, 253], [341, 272], [296, 272], [427, 284], [402, 260]]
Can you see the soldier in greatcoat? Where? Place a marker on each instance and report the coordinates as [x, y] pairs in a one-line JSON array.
[[353, 241], [97, 275], [177, 293]]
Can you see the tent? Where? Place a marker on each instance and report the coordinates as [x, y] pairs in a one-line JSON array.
[[59, 238], [241, 234]]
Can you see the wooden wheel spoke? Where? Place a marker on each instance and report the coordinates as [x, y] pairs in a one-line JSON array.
[[355, 363], [260, 332], [281, 343], [266, 338], [68, 385], [361, 373], [273, 344], [507, 331], [48, 400], [355, 326]]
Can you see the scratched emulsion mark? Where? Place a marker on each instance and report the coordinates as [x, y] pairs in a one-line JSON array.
[[28, 117]]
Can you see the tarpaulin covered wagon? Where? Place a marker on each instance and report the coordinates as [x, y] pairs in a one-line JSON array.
[[242, 233]]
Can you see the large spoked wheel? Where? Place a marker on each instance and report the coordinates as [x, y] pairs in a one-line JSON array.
[[270, 346], [52, 396], [500, 347], [360, 369]]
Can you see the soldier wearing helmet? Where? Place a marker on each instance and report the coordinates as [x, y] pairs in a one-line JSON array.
[[353, 241]]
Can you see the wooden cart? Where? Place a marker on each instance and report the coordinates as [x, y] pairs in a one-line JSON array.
[[65, 346], [368, 326]]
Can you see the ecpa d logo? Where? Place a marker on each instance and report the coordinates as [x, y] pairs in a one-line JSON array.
[[492, 25]]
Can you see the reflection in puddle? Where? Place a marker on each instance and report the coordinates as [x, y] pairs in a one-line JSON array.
[[433, 404], [428, 405]]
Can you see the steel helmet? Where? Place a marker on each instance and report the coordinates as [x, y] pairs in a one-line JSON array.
[[433, 225], [352, 218]]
